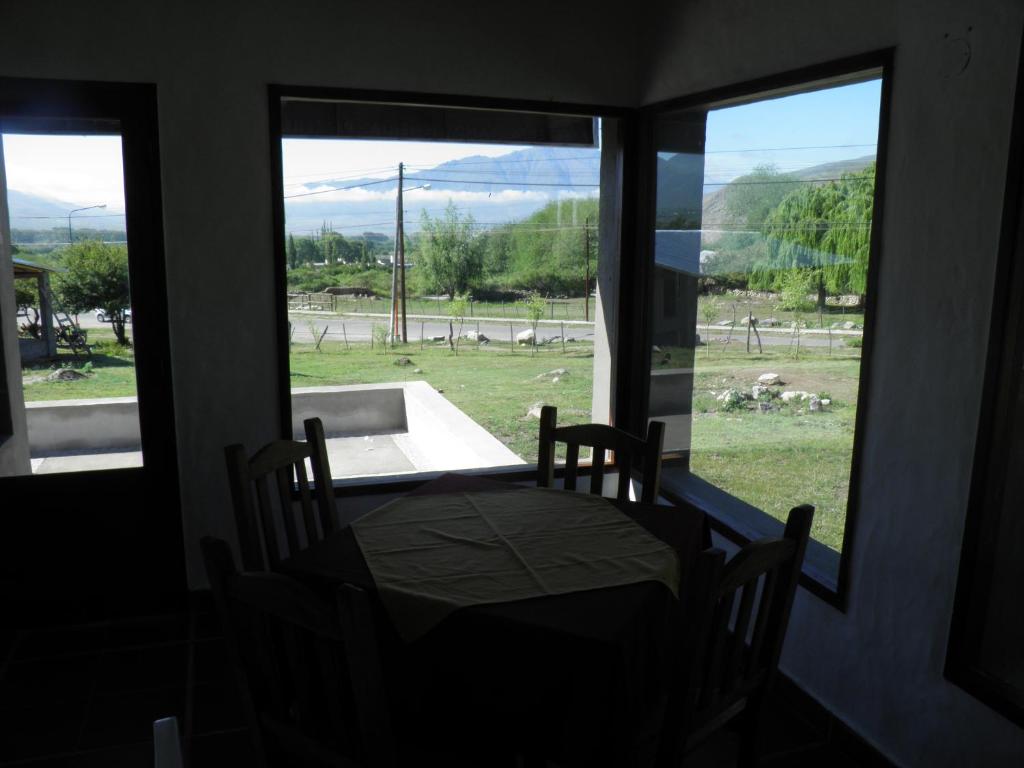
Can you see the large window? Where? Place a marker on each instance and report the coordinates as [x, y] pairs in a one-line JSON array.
[[764, 217], [72, 308], [443, 277]]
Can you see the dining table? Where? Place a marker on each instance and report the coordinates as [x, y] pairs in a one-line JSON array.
[[579, 675]]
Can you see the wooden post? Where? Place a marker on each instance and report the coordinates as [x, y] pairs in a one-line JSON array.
[[511, 339], [586, 261], [563, 337], [422, 323], [344, 335]]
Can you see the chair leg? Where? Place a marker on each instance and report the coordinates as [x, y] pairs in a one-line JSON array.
[[751, 735]]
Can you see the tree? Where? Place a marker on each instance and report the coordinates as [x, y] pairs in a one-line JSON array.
[[96, 277], [534, 306], [26, 297], [751, 198], [824, 231], [449, 251], [293, 256]]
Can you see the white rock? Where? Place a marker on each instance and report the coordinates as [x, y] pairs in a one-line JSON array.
[[475, 336], [794, 395], [525, 337], [826, 402], [814, 403], [558, 372], [535, 410], [769, 379], [555, 380], [758, 389]]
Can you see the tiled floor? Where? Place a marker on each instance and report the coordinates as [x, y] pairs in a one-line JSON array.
[[87, 695]]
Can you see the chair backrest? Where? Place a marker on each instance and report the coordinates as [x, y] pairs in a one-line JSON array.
[[738, 613], [308, 670], [261, 492], [628, 449]]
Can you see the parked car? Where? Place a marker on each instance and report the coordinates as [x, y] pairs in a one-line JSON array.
[[101, 316]]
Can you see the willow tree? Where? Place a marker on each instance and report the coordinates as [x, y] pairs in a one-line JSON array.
[[823, 230]]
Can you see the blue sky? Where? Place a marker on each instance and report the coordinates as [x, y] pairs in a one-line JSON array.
[[777, 130]]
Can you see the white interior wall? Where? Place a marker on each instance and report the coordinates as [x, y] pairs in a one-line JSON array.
[[879, 666], [212, 63]]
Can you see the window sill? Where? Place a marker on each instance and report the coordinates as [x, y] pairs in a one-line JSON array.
[[381, 484], [741, 523]]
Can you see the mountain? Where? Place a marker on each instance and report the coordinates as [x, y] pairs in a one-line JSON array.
[[24, 207], [716, 216], [491, 189]]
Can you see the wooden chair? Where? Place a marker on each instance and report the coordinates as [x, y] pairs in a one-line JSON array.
[[601, 438], [272, 472], [738, 613], [292, 653]]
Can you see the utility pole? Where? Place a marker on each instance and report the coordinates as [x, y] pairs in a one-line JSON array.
[[393, 320], [586, 260], [401, 247]]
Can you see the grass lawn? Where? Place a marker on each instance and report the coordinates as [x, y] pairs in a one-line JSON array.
[[110, 372], [788, 455], [493, 386]]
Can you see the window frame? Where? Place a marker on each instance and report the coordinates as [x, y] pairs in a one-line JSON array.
[[109, 498], [984, 505], [276, 93], [731, 517]]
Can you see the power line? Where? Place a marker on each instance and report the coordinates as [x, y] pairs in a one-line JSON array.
[[339, 189], [779, 149], [506, 183]]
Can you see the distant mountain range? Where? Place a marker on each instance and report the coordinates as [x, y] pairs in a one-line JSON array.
[[493, 189]]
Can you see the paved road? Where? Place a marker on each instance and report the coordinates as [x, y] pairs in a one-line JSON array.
[[360, 328]]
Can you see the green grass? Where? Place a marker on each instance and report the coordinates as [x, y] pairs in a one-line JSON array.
[[110, 372], [493, 385], [787, 456]]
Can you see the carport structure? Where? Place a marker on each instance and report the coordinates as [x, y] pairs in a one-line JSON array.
[[46, 346]]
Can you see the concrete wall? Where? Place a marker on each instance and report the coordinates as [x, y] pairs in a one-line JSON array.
[[362, 409], [14, 458], [58, 426], [879, 666]]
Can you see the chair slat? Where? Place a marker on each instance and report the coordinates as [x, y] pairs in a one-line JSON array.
[[735, 665], [597, 471], [306, 504], [317, 442], [761, 623], [268, 522], [572, 460], [625, 463], [284, 493]]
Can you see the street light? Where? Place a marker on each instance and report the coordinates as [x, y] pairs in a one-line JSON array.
[[398, 263], [76, 210]]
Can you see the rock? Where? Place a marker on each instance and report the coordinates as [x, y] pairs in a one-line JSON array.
[[769, 379], [66, 374], [724, 322], [731, 398], [792, 395], [849, 325], [403, 361], [570, 340], [826, 402], [418, 370], [656, 349], [476, 336], [558, 372], [535, 410], [814, 403], [749, 321], [769, 322], [526, 337], [555, 380], [438, 338], [759, 389], [764, 407]]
